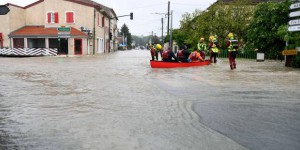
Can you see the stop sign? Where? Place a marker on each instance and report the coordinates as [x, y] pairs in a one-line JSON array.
[[3, 9]]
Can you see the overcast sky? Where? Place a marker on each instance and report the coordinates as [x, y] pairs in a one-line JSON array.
[[144, 21]]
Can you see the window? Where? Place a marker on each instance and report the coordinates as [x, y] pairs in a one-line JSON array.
[[69, 17], [36, 43], [1, 40], [18, 42], [52, 17], [103, 21], [98, 20], [54, 43]]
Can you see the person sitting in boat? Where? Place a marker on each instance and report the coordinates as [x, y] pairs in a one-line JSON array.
[[183, 54], [195, 56], [168, 54]]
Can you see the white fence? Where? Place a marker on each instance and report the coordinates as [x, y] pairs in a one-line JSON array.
[[28, 51]]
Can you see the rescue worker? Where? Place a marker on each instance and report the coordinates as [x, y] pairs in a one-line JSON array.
[[214, 49], [195, 56], [153, 53], [202, 48], [183, 54], [168, 54], [158, 49], [232, 45]]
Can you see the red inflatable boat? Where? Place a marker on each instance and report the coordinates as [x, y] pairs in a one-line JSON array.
[[161, 64]]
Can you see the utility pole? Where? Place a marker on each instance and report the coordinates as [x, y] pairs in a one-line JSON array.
[[162, 31], [94, 31], [171, 43], [168, 17], [162, 25]]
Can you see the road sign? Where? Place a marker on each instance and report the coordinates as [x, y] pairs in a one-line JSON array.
[[64, 32], [289, 52], [294, 22], [64, 29], [294, 14], [63, 36], [3, 9], [295, 6], [294, 28]]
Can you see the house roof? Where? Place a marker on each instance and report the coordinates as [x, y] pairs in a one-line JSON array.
[[41, 31]]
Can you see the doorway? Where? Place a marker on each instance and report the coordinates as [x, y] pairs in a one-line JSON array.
[[100, 45], [63, 46], [78, 46], [1, 40]]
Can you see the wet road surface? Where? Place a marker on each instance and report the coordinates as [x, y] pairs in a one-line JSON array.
[[88, 103]]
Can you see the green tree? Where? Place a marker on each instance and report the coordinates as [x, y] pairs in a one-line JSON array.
[[127, 34], [267, 28], [219, 19]]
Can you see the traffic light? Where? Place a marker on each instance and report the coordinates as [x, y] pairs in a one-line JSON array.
[[131, 16]]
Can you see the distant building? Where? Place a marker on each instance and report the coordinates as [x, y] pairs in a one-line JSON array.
[[64, 25]]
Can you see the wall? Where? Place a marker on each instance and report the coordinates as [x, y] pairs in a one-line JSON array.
[[35, 14], [10, 22]]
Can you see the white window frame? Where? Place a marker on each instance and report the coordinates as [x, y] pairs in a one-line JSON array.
[[52, 20]]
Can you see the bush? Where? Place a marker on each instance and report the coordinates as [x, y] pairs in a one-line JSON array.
[[296, 61]]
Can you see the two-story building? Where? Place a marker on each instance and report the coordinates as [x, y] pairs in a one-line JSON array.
[[71, 27]]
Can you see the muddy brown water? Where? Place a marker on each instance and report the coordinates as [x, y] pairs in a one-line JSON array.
[[116, 101]]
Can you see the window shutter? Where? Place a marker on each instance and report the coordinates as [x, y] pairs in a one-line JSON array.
[[98, 20], [49, 17], [70, 17], [56, 17], [103, 21]]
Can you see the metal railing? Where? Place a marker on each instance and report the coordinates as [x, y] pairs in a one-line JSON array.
[[28, 51], [245, 54]]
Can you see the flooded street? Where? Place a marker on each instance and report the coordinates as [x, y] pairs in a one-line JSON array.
[[116, 101]]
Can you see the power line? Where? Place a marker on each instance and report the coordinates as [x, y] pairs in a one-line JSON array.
[[146, 6]]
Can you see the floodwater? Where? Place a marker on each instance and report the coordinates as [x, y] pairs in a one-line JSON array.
[[116, 101]]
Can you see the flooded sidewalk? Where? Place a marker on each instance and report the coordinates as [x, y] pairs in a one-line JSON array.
[[116, 101]]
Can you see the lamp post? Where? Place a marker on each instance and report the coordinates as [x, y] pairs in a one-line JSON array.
[[94, 31], [162, 26]]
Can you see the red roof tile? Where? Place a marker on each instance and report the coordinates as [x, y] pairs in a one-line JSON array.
[[41, 31]]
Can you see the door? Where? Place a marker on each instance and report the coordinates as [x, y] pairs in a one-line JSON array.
[[63, 46], [100, 45], [78, 46], [1, 40]]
